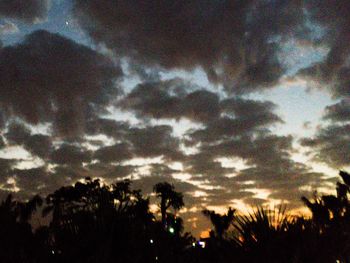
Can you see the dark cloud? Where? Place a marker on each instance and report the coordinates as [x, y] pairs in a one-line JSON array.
[[17, 133], [235, 42], [331, 142], [264, 151], [332, 18], [31, 180], [225, 197], [154, 141], [48, 78], [225, 128], [63, 175], [331, 145], [38, 144], [5, 168], [147, 142], [143, 72], [30, 11], [254, 201], [261, 111], [239, 117], [111, 128], [270, 167], [169, 99], [204, 164], [153, 99], [115, 153], [339, 112], [222, 118], [71, 155], [110, 172], [2, 142], [284, 182], [162, 170]]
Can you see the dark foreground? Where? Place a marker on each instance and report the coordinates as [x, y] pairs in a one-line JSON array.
[[91, 222]]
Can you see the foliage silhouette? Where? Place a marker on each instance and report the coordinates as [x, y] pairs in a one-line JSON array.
[[95, 222], [221, 223], [168, 198]]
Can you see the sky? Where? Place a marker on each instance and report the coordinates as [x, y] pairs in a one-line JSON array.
[[236, 103]]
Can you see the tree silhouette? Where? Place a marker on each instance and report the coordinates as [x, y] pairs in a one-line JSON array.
[[168, 198], [95, 222], [331, 219], [272, 235], [96, 218], [221, 223], [17, 241]]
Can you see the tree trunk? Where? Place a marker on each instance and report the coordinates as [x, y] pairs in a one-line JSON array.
[[163, 212]]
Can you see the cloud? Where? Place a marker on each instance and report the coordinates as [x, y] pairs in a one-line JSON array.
[[225, 197], [71, 155], [234, 42], [225, 128], [339, 112], [29, 11], [5, 169], [331, 21], [145, 142], [169, 99], [2, 142], [31, 180], [331, 142], [49, 78], [175, 99], [239, 130], [8, 28], [331, 145], [203, 164], [110, 172], [115, 153], [263, 151], [269, 165], [37, 144], [109, 127], [41, 180], [17, 133], [154, 141]]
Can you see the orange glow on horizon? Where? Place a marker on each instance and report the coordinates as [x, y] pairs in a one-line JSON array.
[[205, 233]]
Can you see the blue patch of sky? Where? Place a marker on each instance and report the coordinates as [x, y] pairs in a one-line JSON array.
[[304, 50], [299, 102], [59, 21], [297, 105], [296, 55]]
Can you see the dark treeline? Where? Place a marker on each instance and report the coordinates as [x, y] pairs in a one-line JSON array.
[[93, 222]]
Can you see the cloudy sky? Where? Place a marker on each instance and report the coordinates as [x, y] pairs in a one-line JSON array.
[[236, 102]]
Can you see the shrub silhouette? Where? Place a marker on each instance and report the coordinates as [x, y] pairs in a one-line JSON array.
[[95, 222]]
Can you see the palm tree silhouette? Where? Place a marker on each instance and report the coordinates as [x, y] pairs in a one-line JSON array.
[[168, 198], [330, 220], [17, 241], [96, 222], [221, 223]]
